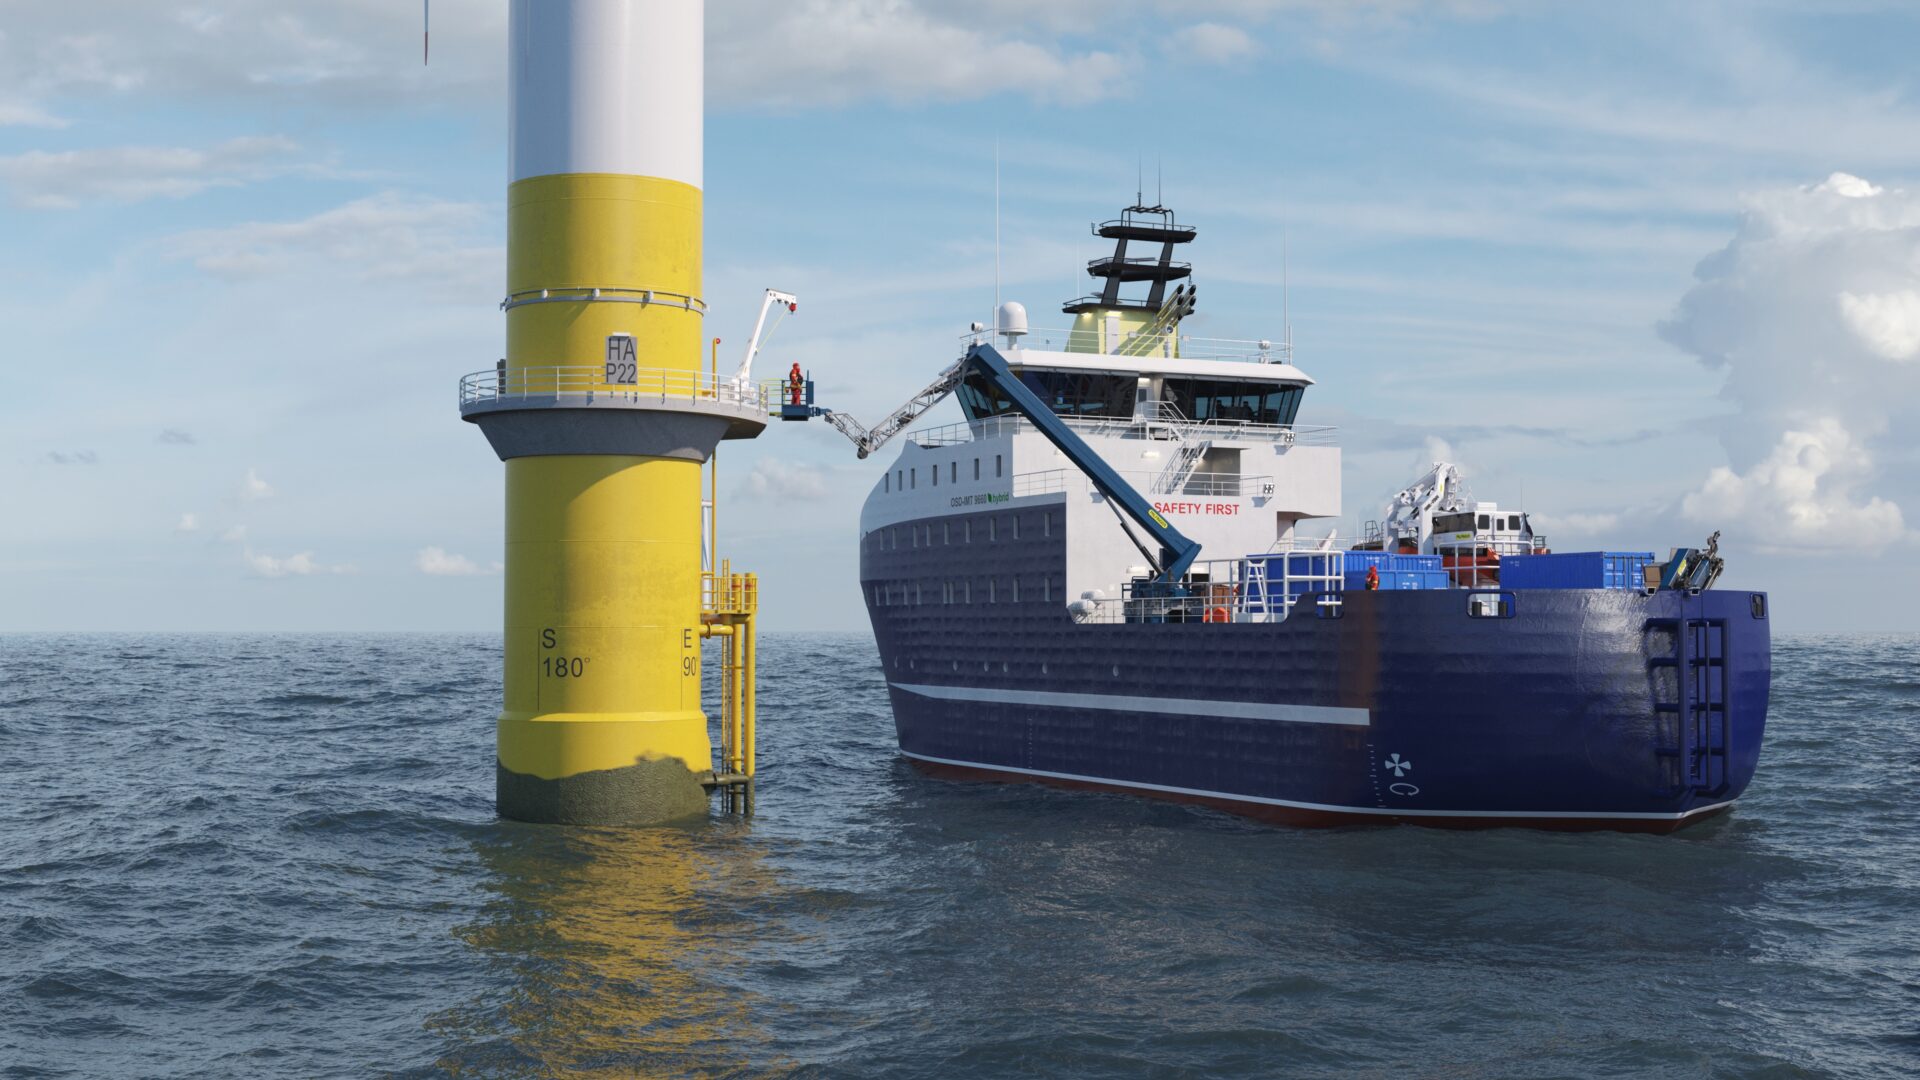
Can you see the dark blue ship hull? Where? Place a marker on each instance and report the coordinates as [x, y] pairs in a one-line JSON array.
[[1567, 709]]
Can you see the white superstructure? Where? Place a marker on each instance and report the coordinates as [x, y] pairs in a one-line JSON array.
[[1210, 440]]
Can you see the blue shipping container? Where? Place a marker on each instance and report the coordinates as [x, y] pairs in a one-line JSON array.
[[1385, 561], [1396, 571], [1399, 579], [1575, 570]]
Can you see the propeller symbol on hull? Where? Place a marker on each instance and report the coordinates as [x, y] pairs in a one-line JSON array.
[[1399, 765]]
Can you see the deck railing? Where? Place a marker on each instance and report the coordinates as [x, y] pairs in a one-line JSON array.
[[1218, 485], [1139, 344], [1250, 590], [595, 382], [1128, 427]]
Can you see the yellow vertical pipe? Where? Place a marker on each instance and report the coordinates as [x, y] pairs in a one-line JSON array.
[[751, 660]]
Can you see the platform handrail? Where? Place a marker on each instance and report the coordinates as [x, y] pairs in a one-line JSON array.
[[616, 294], [589, 382]]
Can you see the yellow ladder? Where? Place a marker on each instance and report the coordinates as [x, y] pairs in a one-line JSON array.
[[728, 602]]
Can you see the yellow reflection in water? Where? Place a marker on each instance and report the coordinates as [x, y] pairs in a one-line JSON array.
[[612, 952]]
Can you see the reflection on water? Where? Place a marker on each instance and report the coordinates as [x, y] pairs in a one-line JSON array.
[[616, 950]]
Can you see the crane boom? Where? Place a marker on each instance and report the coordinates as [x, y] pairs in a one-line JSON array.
[[1177, 551], [1410, 515]]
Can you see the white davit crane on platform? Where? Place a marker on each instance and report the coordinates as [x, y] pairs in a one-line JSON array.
[[744, 377], [1410, 514]]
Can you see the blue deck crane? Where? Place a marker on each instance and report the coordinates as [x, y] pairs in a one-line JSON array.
[[1176, 551]]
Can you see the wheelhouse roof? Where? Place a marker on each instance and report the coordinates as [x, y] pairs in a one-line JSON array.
[[1106, 363]]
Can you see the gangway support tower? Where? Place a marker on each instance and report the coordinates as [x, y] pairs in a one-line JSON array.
[[604, 416]]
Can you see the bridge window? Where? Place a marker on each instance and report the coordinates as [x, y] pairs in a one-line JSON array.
[[886, 482], [976, 468], [996, 466], [1224, 399], [936, 476], [953, 472], [1067, 393]]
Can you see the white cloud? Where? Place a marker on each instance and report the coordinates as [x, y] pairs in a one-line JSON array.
[[381, 237], [253, 487], [22, 114], [1850, 186], [1575, 524], [814, 53], [363, 54], [772, 478], [188, 523], [442, 563], [1818, 290], [1212, 42], [350, 53], [235, 535], [300, 564], [1887, 323], [130, 174], [1804, 496], [1435, 449]]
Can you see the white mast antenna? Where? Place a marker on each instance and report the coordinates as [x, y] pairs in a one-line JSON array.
[[996, 233], [1286, 318]]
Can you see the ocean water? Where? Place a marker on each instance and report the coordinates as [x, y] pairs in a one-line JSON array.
[[264, 856]]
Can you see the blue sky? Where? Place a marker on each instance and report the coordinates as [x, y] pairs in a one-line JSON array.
[[1649, 269]]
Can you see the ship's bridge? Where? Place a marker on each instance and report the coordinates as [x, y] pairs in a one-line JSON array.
[[1246, 390]]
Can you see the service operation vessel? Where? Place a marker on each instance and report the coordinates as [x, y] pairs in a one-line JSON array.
[[1108, 577]]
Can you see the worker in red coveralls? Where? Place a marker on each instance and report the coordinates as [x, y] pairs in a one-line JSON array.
[[1373, 578], [796, 385]]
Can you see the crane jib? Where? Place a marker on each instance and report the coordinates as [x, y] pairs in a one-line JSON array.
[[1177, 550]]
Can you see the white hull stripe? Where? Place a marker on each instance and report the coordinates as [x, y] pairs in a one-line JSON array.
[[1611, 815], [1227, 710]]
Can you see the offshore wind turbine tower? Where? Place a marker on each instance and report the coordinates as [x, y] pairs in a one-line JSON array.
[[604, 415]]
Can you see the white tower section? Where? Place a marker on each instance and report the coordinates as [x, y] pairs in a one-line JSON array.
[[606, 86]]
